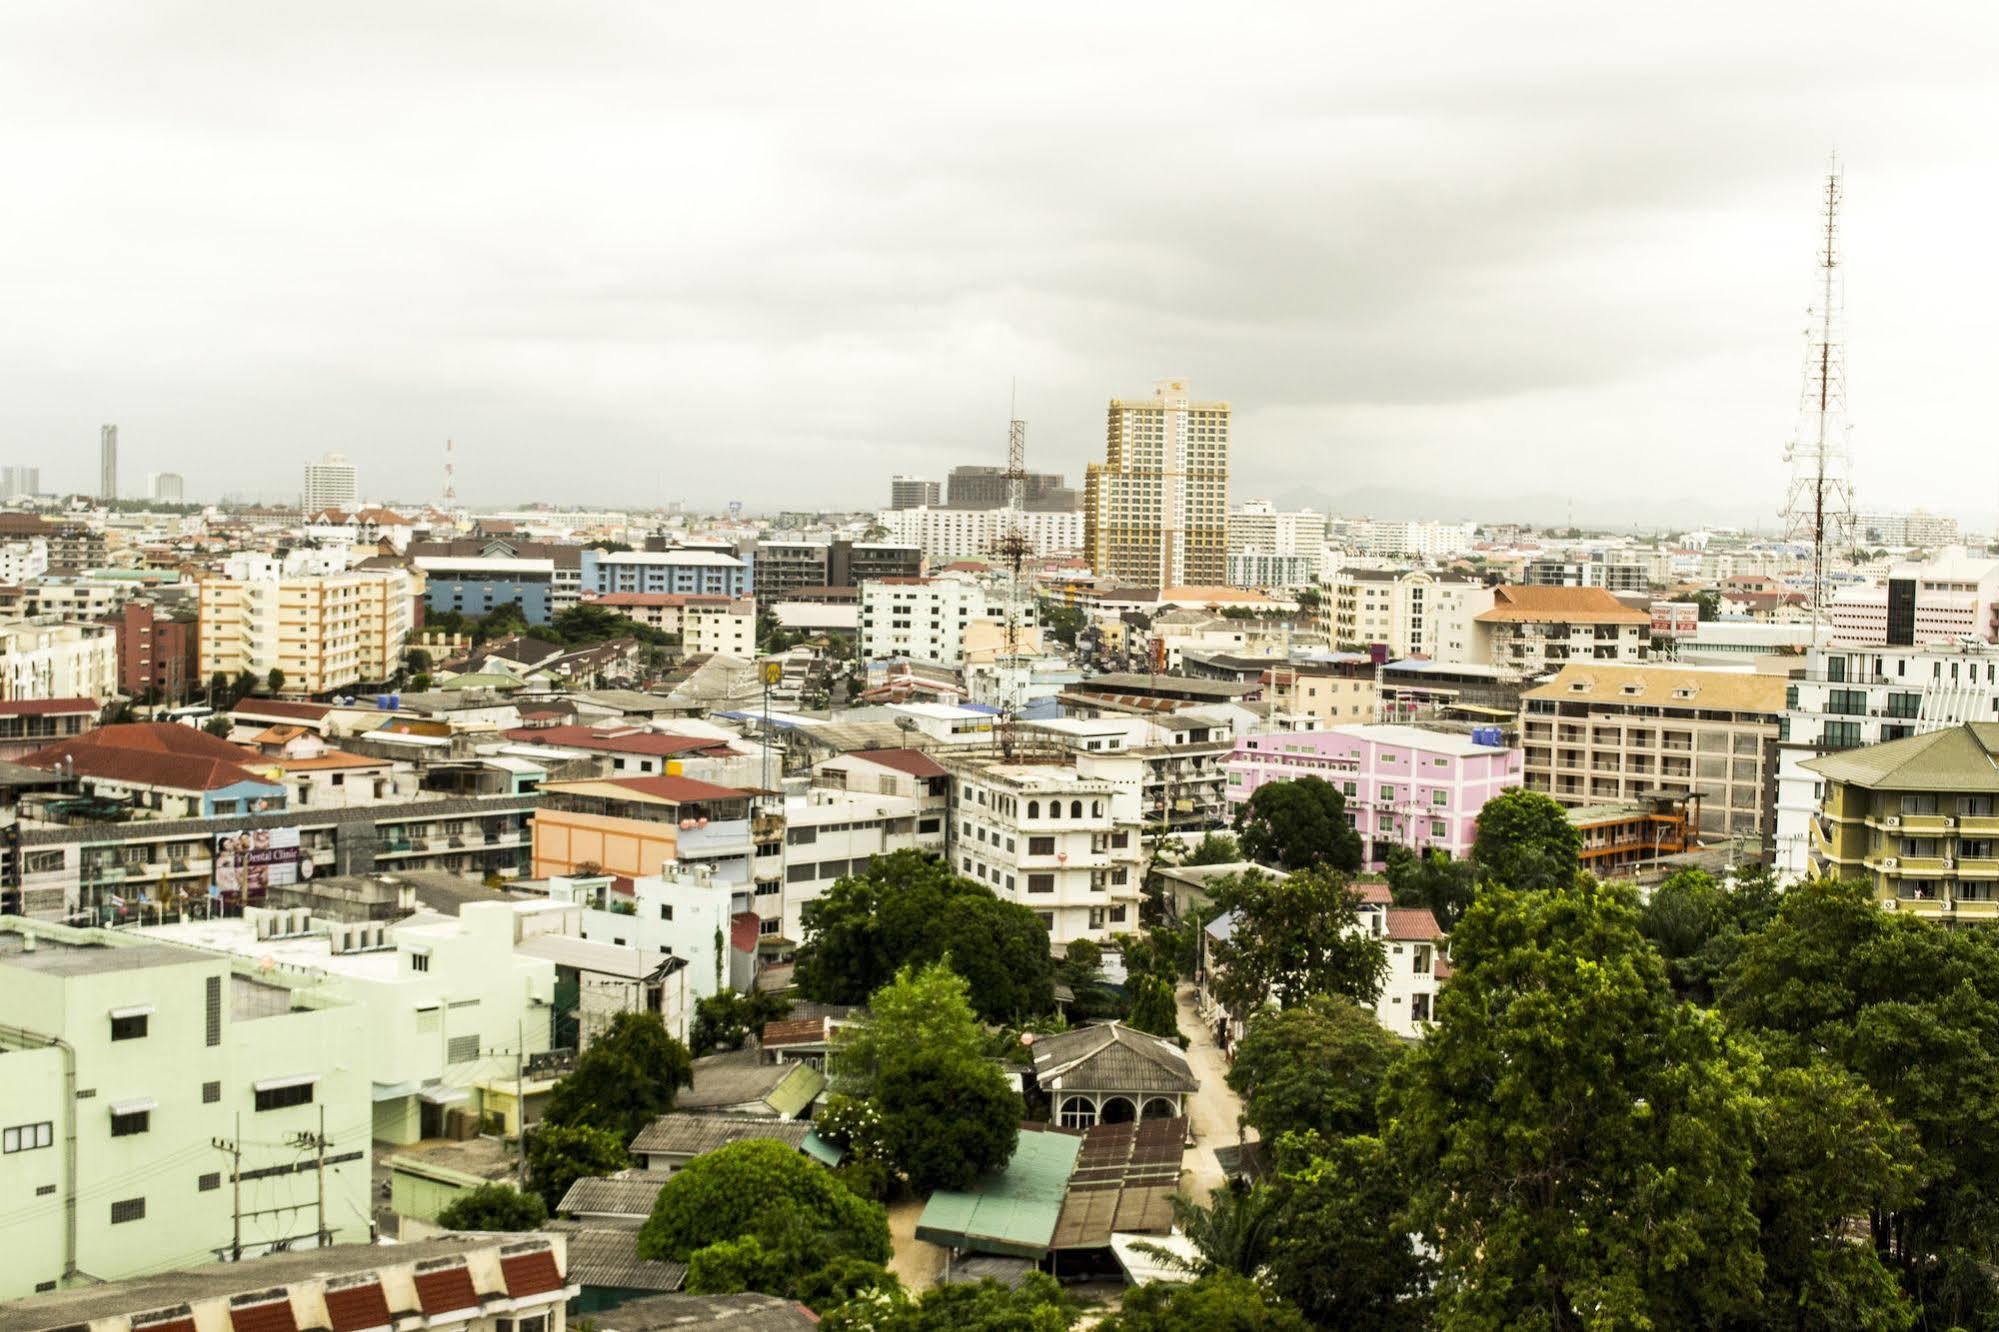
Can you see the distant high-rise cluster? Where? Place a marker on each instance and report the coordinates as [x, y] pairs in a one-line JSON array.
[[1155, 511], [913, 492], [168, 486], [107, 462], [18, 481], [329, 483], [979, 487]]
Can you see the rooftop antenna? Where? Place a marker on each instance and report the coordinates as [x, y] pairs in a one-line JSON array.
[[1013, 547], [1819, 508]]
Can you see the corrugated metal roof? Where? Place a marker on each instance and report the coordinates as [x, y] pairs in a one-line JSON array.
[[691, 1135], [632, 1194], [1014, 1212], [1112, 1057], [610, 1258]]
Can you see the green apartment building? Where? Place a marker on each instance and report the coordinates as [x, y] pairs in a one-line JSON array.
[[1918, 819]]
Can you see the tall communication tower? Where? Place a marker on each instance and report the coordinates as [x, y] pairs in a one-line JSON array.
[[450, 474], [1013, 548], [1819, 508]]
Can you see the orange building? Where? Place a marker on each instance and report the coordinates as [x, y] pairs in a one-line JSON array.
[[632, 826]]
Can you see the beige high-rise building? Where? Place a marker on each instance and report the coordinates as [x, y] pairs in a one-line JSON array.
[[326, 629], [1155, 511]]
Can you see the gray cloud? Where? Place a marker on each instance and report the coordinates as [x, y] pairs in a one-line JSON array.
[[635, 253]]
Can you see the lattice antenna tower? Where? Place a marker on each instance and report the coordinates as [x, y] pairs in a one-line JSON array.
[[450, 474], [1013, 548], [1819, 507]]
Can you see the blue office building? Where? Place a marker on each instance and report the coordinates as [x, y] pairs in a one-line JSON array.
[[692, 570], [476, 585]]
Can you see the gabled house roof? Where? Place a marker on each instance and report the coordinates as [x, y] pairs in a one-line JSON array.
[[1517, 603], [617, 740], [1962, 758], [914, 762], [1112, 1057], [162, 754]]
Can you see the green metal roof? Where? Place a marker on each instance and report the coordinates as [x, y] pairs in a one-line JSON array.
[[1014, 1212], [822, 1151], [790, 1097], [1959, 759]]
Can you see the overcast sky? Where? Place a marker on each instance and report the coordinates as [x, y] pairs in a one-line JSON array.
[[629, 253]]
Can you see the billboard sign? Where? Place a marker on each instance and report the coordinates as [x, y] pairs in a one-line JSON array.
[[250, 861]]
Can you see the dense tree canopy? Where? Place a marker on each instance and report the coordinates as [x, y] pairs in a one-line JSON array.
[[628, 1077], [1577, 1141], [559, 1155], [493, 1207], [1433, 881], [1525, 840], [766, 1189], [1215, 848], [1314, 1068], [1341, 1249], [1224, 1302], [724, 1021], [1292, 938], [947, 1119], [1038, 1304], [1298, 824], [908, 909], [1699, 924]]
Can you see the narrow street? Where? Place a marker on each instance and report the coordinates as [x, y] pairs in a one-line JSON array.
[[1214, 1108]]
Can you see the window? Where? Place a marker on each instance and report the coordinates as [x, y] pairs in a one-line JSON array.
[[1075, 809], [43, 862], [28, 1137], [804, 872], [281, 1098], [802, 836], [419, 961], [1034, 809], [1419, 1008], [532, 1323], [1439, 796], [461, 1049], [1117, 915], [1041, 883], [209, 1182], [212, 1000], [666, 911], [1419, 960], [211, 1092], [130, 1123], [129, 1209], [1438, 828], [1387, 793], [769, 926], [1041, 846]]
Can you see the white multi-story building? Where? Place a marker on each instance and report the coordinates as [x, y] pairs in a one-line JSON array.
[[136, 1078], [1950, 599], [830, 834], [1429, 541], [1416, 612], [926, 618], [329, 484], [1533, 629], [325, 626], [47, 658], [1918, 528], [1847, 698], [945, 535], [682, 918], [22, 560], [725, 627], [1261, 568], [1261, 525], [1155, 511], [1061, 839]]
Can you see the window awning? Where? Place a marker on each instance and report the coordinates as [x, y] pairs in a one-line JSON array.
[[279, 1084], [136, 1010], [444, 1095], [137, 1107]]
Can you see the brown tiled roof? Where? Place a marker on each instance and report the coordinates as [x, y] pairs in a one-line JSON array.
[[794, 1031], [680, 789], [533, 1273], [1515, 603], [616, 740], [361, 1305], [271, 707], [268, 1316], [47, 707], [164, 754], [912, 761], [444, 1290], [1412, 924]]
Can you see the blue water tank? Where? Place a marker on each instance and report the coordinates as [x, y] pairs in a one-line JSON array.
[[395, 701]]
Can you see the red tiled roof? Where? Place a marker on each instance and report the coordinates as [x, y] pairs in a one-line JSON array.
[[1572, 605], [182, 1323], [444, 1290], [1412, 924], [271, 707], [794, 1031], [352, 1308], [679, 789], [47, 707], [164, 754], [1374, 894], [271, 1316], [614, 740], [531, 1273], [912, 761]]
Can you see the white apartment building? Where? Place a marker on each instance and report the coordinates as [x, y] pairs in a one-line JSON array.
[[22, 560], [1416, 612], [1847, 698], [46, 658], [830, 834], [1262, 526], [685, 912], [926, 618], [1261, 568], [726, 627], [1950, 599], [944, 535], [325, 626], [329, 484], [124, 1063], [1917, 528], [1060, 838], [445, 1005], [1411, 540]]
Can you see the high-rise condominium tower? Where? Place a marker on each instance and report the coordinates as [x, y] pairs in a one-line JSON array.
[[107, 462], [1155, 511], [329, 484]]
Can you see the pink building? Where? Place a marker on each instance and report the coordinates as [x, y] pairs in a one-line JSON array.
[[1419, 788]]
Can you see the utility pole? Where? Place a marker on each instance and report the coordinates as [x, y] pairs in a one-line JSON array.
[[521, 1104], [317, 1143], [234, 1148]]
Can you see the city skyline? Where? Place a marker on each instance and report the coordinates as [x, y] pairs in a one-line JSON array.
[[1594, 247]]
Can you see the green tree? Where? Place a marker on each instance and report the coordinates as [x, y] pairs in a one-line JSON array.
[[947, 1119], [1578, 1142], [628, 1077], [743, 1263], [1707, 605], [1315, 1068], [218, 726], [1912, 1010], [1293, 938], [1298, 824], [1038, 1304], [1433, 881], [416, 659], [1231, 1232], [1154, 1009], [908, 909], [558, 1156], [493, 1207], [1342, 1251], [1215, 848], [276, 680], [1062, 623], [1699, 925], [766, 1189], [1525, 840], [726, 1020], [1224, 1302], [926, 1011]]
